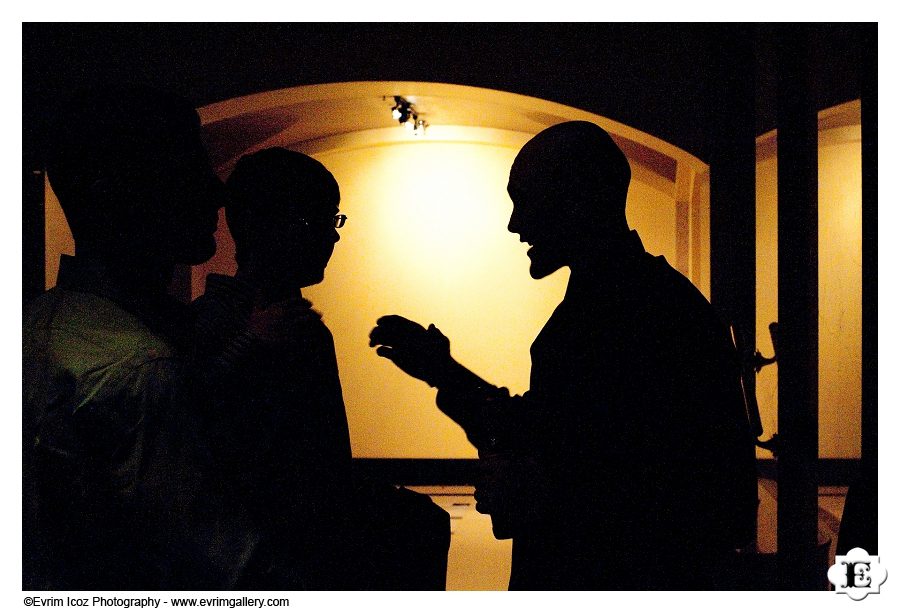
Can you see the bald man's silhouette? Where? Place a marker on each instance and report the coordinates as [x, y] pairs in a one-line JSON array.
[[629, 461]]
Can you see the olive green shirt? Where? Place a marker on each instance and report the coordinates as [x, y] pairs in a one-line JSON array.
[[115, 459]]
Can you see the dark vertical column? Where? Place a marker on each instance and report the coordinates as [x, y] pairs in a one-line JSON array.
[[859, 524], [798, 309], [732, 215], [33, 239], [869, 103]]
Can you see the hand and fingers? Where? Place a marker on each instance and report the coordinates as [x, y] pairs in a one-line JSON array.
[[392, 330], [421, 353]]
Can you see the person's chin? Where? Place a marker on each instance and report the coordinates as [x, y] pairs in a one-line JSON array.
[[313, 279], [541, 268]]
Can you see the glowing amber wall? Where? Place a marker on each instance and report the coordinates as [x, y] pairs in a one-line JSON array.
[[428, 241], [58, 236], [427, 238], [840, 285], [766, 289]]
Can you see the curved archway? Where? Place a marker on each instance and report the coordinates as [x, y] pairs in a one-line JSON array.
[[303, 114], [427, 231]]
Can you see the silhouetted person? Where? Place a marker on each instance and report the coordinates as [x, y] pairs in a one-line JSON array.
[[283, 426], [628, 464], [114, 456]]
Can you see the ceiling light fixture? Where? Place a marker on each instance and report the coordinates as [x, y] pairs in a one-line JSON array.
[[406, 115]]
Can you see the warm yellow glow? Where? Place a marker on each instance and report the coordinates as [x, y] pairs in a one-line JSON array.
[[348, 107], [652, 213], [700, 235], [427, 238], [840, 282], [766, 289], [58, 237], [427, 233], [840, 290]]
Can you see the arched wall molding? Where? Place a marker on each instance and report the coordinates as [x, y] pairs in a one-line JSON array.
[[326, 117], [316, 112], [837, 124]]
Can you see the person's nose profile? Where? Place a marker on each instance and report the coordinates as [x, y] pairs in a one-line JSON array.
[[513, 225]]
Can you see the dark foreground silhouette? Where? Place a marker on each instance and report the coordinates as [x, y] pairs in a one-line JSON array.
[[272, 381], [202, 447], [629, 462], [113, 461]]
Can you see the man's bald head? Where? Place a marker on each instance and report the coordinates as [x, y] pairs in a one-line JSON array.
[[577, 158], [568, 186]]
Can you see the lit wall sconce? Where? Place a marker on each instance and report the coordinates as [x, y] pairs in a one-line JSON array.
[[406, 115]]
